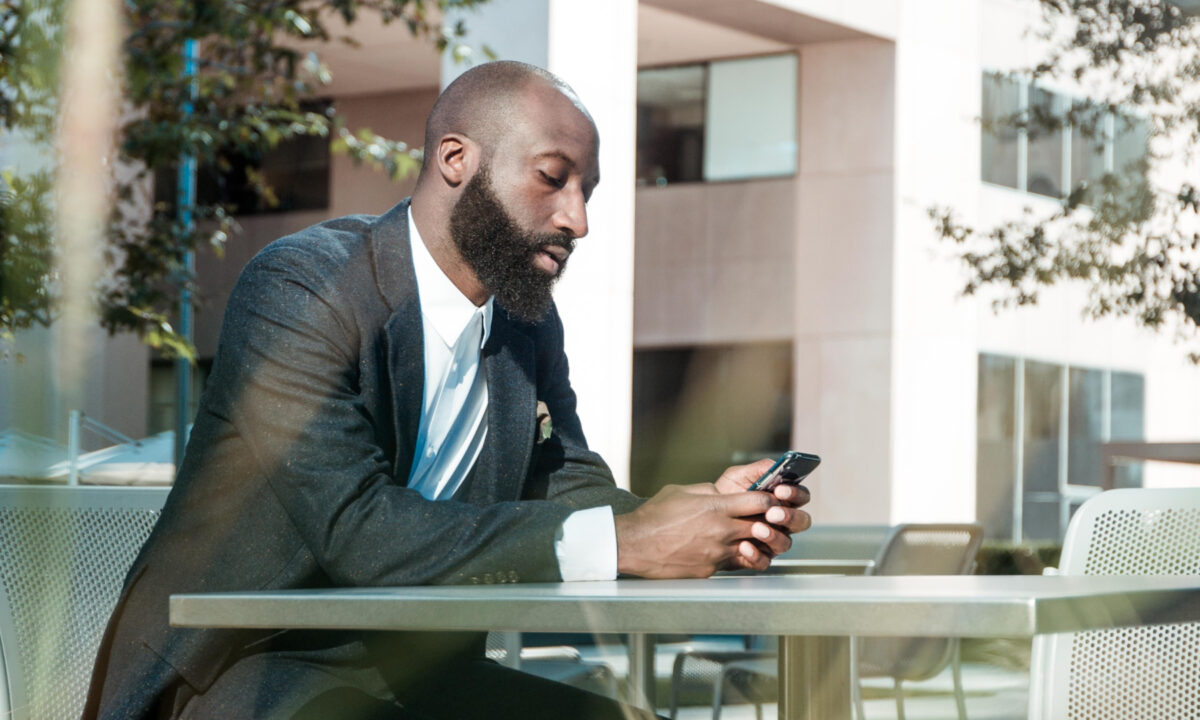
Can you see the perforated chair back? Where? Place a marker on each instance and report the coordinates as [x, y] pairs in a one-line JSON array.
[[1149, 673], [918, 549], [64, 552]]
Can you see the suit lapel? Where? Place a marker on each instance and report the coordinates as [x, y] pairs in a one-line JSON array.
[[509, 361], [403, 333]]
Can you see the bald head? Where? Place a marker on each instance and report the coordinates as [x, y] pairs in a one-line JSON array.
[[486, 100]]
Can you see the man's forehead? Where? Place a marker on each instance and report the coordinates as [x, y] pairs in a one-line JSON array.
[[557, 128]]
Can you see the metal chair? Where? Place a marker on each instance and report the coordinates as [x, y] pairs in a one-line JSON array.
[[64, 552], [560, 663], [910, 549], [1149, 673]]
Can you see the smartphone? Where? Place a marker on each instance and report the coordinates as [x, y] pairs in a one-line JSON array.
[[791, 468]]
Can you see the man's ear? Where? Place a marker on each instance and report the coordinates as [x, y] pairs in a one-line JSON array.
[[457, 158]]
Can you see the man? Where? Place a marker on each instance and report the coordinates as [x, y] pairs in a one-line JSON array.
[[390, 405]]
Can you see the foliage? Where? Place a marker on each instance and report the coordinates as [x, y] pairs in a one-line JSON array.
[[245, 98], [1132, 243]]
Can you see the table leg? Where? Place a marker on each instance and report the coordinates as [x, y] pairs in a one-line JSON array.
[[641, 670], [814, 678]]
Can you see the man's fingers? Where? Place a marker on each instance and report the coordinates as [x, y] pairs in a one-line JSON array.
[[794, 495], [792, 520], [744, 504], [750, 557], [740, 477]]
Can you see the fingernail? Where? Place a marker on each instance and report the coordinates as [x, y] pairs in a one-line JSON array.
[[761, 531], [775, 515]]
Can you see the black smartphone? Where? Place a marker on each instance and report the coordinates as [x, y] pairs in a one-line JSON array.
[[791, 468]]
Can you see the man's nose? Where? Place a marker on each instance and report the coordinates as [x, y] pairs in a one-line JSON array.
[[571, 216]]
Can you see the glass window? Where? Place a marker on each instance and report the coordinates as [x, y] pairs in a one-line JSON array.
[[724, 120], [670, 124], [1045, 160], [994, 457], [751, 118], [1128, 420], [1085, 426], [1001, 102], [1043, 403], [1088, 140], [1130, 148], [1099, 405], [698, 410]]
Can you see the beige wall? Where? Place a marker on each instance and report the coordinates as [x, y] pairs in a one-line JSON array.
[[713, 263], [845, 200], [353, 189]]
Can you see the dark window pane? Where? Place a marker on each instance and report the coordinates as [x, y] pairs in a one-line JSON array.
[[670, 125], [296, 170], [698, 410], [1128, 421], [994, 457], [161, 414], [1043, 403], [1085, 426], [999, 141], [1045, 163]]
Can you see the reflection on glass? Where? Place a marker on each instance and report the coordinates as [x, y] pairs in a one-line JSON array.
[[1043, 404], [670, 124], [1045, 163], [1041, 519], [994, 456], [1001, 102], [751, 118], [1088, 139], [1128, 420], [1085, 426], [697, 410], [1130, 161]]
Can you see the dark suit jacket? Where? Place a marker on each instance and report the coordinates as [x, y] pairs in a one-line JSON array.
[[295, 472]]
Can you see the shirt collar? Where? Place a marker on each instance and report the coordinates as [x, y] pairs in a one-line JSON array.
[[443, 305]]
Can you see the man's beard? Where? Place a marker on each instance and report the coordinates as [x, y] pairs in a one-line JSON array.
[[502, 254]]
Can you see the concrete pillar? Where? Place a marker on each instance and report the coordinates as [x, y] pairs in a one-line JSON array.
[[934, 364], [593, 47], [845, 209]]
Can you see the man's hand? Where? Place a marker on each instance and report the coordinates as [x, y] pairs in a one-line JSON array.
[[695, 530], [787, 517]]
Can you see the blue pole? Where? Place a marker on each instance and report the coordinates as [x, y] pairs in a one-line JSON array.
[[185, 199]]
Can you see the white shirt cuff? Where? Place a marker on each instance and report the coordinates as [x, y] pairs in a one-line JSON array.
[[587, 545]]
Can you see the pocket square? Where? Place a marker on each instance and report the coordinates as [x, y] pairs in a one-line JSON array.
[[545, 426]]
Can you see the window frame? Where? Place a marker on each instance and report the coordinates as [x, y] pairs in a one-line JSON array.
[[1067, 495], [1063, 100]]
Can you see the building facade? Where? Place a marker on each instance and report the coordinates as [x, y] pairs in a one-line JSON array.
[[762, 272]]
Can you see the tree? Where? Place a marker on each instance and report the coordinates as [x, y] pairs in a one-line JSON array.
[[246, 97], [1133, 243]]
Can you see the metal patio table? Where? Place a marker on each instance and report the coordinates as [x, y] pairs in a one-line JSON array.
[[813, 615]]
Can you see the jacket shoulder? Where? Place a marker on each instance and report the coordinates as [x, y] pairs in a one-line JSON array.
[[323, 247]]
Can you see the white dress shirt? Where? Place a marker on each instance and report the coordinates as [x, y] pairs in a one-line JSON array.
[[454, 415]]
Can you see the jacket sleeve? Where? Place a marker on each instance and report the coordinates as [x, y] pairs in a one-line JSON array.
[[288, 377], [564, 469]]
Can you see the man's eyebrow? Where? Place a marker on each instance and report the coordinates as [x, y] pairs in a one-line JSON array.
[[556, 154]]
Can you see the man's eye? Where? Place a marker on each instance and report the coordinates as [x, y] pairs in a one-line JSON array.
[[552, 180]]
